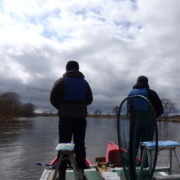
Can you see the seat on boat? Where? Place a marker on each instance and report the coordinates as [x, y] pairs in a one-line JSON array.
[[150, 146]]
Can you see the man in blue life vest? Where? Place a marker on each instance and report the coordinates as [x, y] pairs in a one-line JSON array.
[[145, 123], [70, 95]]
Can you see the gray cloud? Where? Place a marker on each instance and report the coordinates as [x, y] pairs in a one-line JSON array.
[[112, 47]]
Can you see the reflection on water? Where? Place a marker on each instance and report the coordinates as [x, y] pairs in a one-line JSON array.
[[26, 142], [169, 131]]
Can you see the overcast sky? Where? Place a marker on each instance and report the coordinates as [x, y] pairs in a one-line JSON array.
[[114, 42]]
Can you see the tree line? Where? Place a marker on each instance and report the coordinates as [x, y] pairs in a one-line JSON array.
[[168, 105], [11, 106]]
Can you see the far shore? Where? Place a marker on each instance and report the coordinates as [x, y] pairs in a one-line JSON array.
[[170, 119], [173, 118]]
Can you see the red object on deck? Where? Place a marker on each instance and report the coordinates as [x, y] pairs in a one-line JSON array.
[[113, 153], [53, 162], [88, 162]]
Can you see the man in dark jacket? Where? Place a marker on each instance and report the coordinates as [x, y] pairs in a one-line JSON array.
[[70, 95], [145, 122]]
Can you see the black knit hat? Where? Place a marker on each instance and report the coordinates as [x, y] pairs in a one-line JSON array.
[[142, 82], [72, 65]]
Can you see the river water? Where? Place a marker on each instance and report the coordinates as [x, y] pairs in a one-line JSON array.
[[34, 140]]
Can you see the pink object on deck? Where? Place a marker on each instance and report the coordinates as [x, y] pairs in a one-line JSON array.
[[113, 153]]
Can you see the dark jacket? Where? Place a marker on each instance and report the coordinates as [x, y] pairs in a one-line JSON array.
[[71, 97], [153, 98]]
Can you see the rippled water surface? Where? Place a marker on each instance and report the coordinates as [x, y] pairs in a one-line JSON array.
[[33, 140]]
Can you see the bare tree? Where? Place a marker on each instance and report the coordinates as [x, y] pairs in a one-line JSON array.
[[11, 106], [115, 110], [97, 112], [169, 107], [28, 110]]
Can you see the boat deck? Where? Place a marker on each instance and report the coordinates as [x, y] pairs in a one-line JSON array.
[[93, 174]]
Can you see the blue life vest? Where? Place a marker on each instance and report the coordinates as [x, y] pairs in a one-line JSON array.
[[139, 103], [75, 88]]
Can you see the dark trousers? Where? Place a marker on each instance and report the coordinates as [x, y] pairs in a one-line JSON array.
[[74, 128], [145, 128], [145, 125]]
